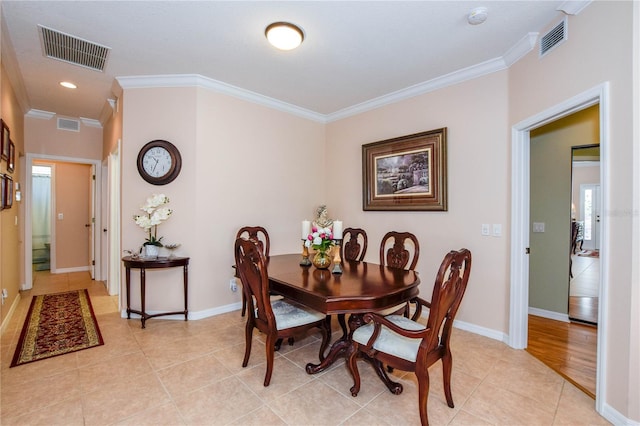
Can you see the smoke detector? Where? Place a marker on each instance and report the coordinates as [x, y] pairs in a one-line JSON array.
[[477, 16]]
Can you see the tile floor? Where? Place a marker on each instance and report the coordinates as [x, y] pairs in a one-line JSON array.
[[189, 373]]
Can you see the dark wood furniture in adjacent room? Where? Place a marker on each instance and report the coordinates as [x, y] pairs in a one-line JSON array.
[[143, 265]]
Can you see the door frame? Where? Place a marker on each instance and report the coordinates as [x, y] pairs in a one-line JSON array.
[[28, 244], [520, 222]]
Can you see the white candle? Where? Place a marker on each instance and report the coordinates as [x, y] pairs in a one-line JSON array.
[[337, 229], [306, 229]]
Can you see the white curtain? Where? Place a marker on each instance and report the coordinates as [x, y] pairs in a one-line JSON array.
[[41, 211]]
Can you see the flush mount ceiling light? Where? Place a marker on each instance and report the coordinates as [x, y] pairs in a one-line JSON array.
[[284, 36], [68, 84], [477, 16]]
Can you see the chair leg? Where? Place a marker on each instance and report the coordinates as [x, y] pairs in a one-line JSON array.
[[446, 376], [352, 363], [423, 395], [270, 356], [248, 340]]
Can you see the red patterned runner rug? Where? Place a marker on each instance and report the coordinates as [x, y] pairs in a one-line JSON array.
[[57, 324]]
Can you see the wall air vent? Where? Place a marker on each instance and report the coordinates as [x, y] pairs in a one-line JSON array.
[[68, 124], [73, 50], [557, 35]]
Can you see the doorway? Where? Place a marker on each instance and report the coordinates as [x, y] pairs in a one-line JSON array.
[[57, 262], [520, 222], [41, 216]]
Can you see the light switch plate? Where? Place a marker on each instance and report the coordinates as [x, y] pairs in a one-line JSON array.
[[538, 226], [485, 229], [497, 230]]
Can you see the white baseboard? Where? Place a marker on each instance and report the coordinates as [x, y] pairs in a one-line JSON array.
[[10, 313], [198, 315], [548, 314], [482, 331], [612, 415]]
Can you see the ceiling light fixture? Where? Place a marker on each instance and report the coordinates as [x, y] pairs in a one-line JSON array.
[[284, 36], [68, 84], [477, 16]]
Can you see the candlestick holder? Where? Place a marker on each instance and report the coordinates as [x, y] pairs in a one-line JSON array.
[[337, 267], [305, 255]]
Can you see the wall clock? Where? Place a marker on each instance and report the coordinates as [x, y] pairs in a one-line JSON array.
[[159, 162]]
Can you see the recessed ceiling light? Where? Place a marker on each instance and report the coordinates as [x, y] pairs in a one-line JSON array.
[[284, 36], [477, 16], [68, 84]]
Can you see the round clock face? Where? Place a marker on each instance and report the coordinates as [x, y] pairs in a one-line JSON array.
[[159, 162]]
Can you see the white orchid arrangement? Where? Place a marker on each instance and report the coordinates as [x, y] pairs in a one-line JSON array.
[[156, 213], [320, 239]]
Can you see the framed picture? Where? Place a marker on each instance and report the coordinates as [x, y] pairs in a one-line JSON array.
[[406, 173], [3, 191], [8, 196], [11, 160], [5, 140]]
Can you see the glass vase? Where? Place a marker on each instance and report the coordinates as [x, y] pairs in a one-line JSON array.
[[321, 260]]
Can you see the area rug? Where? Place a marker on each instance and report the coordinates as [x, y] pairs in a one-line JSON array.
[[57, 324], [589, 253]]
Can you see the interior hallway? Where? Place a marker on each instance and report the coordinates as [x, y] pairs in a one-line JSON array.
[[190, 373]]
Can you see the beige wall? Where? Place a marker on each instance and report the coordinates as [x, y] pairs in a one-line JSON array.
[[475, 114], [589, 58], [43, 137], [243, 164], [11, 226], [550, 203]]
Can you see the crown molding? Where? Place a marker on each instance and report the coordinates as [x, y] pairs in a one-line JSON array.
[[38, 113], [90, 122], [455, 77], [521, 48], [196, 80], [573, 7]]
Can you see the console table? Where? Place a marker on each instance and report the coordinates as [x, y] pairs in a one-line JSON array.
[[143, 265]]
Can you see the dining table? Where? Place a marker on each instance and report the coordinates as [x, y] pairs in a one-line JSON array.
[[362, 287]]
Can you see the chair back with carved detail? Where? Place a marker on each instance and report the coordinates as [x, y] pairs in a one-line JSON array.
[[354, 244], [410, 345], [276, 319], [399, 250], [261, 236], [257, 233]]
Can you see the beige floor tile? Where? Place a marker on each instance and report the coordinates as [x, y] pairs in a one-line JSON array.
[[65, 413], [261, 417], [221, 402], [314, 404], [165, 414], [576, 408], [187, 376], [112, 371], [116, 402], [503, 407], [286, 377]]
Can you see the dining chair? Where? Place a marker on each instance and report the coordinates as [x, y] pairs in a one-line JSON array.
[[399, 250], [408, 345], [394, 250], [259, 234], [354, 244], [278, 319]]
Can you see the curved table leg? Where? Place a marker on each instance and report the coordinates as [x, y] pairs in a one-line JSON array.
[[341, 348]]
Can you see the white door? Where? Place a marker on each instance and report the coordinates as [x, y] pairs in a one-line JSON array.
[[92, 221], [590, 214]]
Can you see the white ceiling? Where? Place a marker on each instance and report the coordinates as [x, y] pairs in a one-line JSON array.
[[354, 53]]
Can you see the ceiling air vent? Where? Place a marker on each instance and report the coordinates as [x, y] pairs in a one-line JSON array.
[[68, 124], [73, 50], [557, 35]]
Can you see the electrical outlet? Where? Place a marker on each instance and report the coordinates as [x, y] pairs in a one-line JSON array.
[[497, 230], [485, 229], [233, 285]]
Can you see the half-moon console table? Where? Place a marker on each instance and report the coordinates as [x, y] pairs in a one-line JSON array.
[[158, 263]]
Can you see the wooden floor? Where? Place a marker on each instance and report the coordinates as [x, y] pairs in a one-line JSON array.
[[568, 348], [583, 308]]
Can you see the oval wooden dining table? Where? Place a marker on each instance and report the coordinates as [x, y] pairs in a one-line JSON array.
[[362, 287]]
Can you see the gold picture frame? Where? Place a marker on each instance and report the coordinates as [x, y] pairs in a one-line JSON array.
[[407, 173]]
